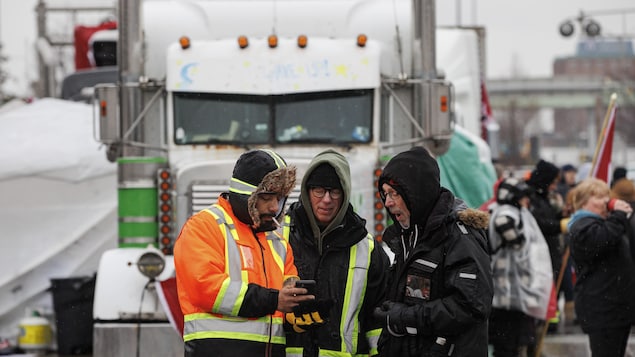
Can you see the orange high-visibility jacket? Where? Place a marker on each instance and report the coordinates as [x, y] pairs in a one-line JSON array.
[[218, 259]]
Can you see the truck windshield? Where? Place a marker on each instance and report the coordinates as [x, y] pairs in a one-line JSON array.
[[341, 117]]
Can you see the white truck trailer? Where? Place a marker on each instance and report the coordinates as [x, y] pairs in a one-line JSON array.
[[200, 82]]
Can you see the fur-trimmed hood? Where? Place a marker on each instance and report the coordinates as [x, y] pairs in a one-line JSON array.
[[474, 218]]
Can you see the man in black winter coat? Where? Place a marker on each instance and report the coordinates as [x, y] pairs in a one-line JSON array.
[[440, 291]]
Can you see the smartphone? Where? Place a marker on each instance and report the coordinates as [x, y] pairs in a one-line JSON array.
[[306, 284]]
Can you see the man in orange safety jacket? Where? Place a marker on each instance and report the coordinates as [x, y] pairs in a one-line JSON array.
[[234, 272]]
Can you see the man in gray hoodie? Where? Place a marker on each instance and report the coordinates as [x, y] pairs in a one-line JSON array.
[[332, 246]]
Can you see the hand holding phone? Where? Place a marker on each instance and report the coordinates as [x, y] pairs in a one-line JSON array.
[[309, 285]]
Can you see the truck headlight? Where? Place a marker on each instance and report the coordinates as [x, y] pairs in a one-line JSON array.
[[151, 264]]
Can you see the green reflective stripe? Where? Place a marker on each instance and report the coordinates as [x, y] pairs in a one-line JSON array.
[[198, 326], [278, 160], [286, 227], [242, 187], [329, 353], [373, 340], [355, 290], [294, 351], [279, 246], [233, 289], [245, 188]]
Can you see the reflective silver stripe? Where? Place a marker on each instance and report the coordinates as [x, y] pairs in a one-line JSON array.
[[278, 245], [373, 340], [355, 290], [230, 296], [411, 330], [331, 353], [427, 263], [199, 326], [242, 187], [467, 276]]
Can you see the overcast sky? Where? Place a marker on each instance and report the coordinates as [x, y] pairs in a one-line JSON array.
[[522, 36]]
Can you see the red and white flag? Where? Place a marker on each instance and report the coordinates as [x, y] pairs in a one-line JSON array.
[[486, 112], [604, 149], [169, 298]]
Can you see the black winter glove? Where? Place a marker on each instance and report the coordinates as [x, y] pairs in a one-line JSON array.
[[309, 315], [399, 318]]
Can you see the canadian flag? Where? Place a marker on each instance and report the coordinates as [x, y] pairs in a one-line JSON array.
[[486, 111], [604, 149]]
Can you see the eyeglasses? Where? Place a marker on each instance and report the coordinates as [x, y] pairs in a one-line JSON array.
[[394, 195], [320, 192]]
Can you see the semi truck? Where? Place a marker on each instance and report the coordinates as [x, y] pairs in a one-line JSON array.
[[200, 82]]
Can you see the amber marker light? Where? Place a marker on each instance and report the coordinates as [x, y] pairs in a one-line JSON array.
[[185, 43], [444, 103], [103, 105], [361, 40], [243, 42], [302, 41], [272, 40]]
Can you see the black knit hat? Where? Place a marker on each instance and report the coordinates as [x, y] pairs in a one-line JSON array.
[[543, 175], [258, 171], [324, 175]]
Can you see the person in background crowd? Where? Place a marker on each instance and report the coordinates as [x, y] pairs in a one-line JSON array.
[[624, 189], [440, 292], [489, 205], [332, 246], [567, 181], [546, 206], [521, 269], [568, 175], [602, 247], [618, 173], [232, 267]]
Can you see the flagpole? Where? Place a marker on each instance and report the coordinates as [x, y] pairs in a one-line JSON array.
[[598, 144], [567, 250]]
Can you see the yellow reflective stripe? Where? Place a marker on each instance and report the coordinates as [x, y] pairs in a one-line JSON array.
[[241, 187], [233, 289], [373, 340], [286, 227], [330, 353], [356, 281], [294, 351], [245, 188], [279, 246], [201, 325], [278, 160]]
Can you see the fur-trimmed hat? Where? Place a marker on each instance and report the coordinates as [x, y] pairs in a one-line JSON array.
[[258, 171]]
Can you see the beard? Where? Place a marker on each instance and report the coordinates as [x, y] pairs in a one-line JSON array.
[[267, 225]]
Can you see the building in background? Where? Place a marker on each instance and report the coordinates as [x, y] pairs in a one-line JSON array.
[[611, 60]]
